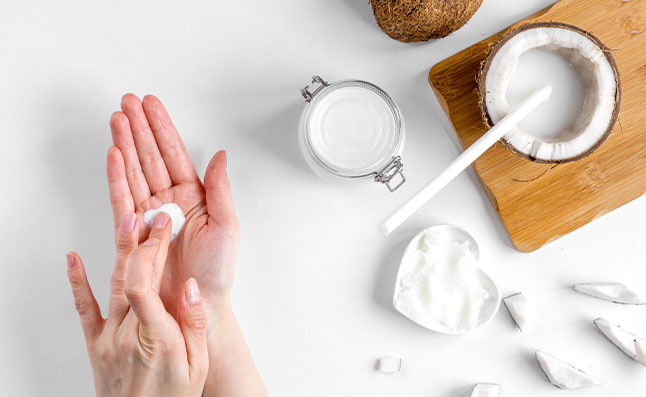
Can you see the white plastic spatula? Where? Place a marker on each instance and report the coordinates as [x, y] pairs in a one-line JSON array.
[[464, 160]]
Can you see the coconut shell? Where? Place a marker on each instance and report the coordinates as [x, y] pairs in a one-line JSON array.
[[482, 86], [422, 20]]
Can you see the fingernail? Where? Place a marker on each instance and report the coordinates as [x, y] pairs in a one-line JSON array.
[[128, 222], [151, 241], [160, 221], [192, 292], [70, 260]]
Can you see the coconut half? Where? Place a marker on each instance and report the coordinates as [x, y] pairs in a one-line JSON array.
[[596, 68]]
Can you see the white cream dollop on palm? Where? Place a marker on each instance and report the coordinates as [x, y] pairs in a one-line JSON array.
[[173, 211]]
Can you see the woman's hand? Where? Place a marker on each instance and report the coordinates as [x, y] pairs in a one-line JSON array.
[[140, 350], [149, 166]]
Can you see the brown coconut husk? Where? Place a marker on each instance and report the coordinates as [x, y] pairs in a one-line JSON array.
[[482, 87], [422, 20]]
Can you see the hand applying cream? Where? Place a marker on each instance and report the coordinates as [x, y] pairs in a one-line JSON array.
[[173, 211]]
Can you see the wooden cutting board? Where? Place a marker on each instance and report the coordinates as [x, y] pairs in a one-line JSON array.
[[538, 203]]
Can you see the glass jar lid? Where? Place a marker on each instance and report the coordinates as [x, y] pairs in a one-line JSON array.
[[353, 129]]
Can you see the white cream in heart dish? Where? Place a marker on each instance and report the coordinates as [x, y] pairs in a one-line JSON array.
[[440, 285]]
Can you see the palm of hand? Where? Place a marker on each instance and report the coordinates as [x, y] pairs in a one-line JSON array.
[[203, 251], [149, 167]]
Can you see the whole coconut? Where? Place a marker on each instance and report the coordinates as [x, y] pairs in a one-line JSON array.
[[422, 20]]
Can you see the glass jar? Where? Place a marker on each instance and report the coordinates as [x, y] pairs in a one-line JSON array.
[[352, 129]]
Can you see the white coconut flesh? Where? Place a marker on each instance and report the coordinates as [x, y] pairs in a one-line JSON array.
[[486, 390], [517, 307], [562, 374], [629, 343], [596, 73], [613, 292], [640, 351], [389, 364]]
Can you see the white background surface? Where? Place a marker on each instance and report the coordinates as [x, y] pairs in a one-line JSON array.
[[314, 281]]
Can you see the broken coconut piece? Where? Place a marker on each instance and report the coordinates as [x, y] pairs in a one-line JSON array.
[[517, 307], [640, 350], [486, 390], [614, 292], [562, 374], [591, 60], [389, 364], [628, 342]]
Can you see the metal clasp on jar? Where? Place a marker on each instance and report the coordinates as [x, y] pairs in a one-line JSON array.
[[387, 173], [307, 94]]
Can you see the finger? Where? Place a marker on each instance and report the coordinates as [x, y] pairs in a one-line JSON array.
[[143, 300], [219, 202], [120, 197], [122, 138], [161, 229], [149, 156], [127, 239], [178, 162], [84, 300], [192, 322]]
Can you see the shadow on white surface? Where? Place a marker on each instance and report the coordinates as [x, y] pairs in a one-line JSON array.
[[278, 135], [363, 9], [529, 357], [71, 182], [78, 151], [462, 391], [386, 275], [387, 271]]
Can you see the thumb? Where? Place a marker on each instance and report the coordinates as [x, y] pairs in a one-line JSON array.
[[192, 322], [143, 299], [219, 202]]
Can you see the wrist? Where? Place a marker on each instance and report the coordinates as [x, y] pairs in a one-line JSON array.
[[217, 314]]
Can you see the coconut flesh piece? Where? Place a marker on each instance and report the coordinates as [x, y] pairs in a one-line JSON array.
[[389, 364], [486, 390], [613, 292], [562, 374], [517, 307], [594, 64], [640, 350], [628, 342]]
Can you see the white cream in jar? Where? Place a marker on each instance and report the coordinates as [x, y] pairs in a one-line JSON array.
[[350, 130], [440, 285]]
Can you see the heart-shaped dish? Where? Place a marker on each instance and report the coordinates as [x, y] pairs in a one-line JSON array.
[[440, 285]]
